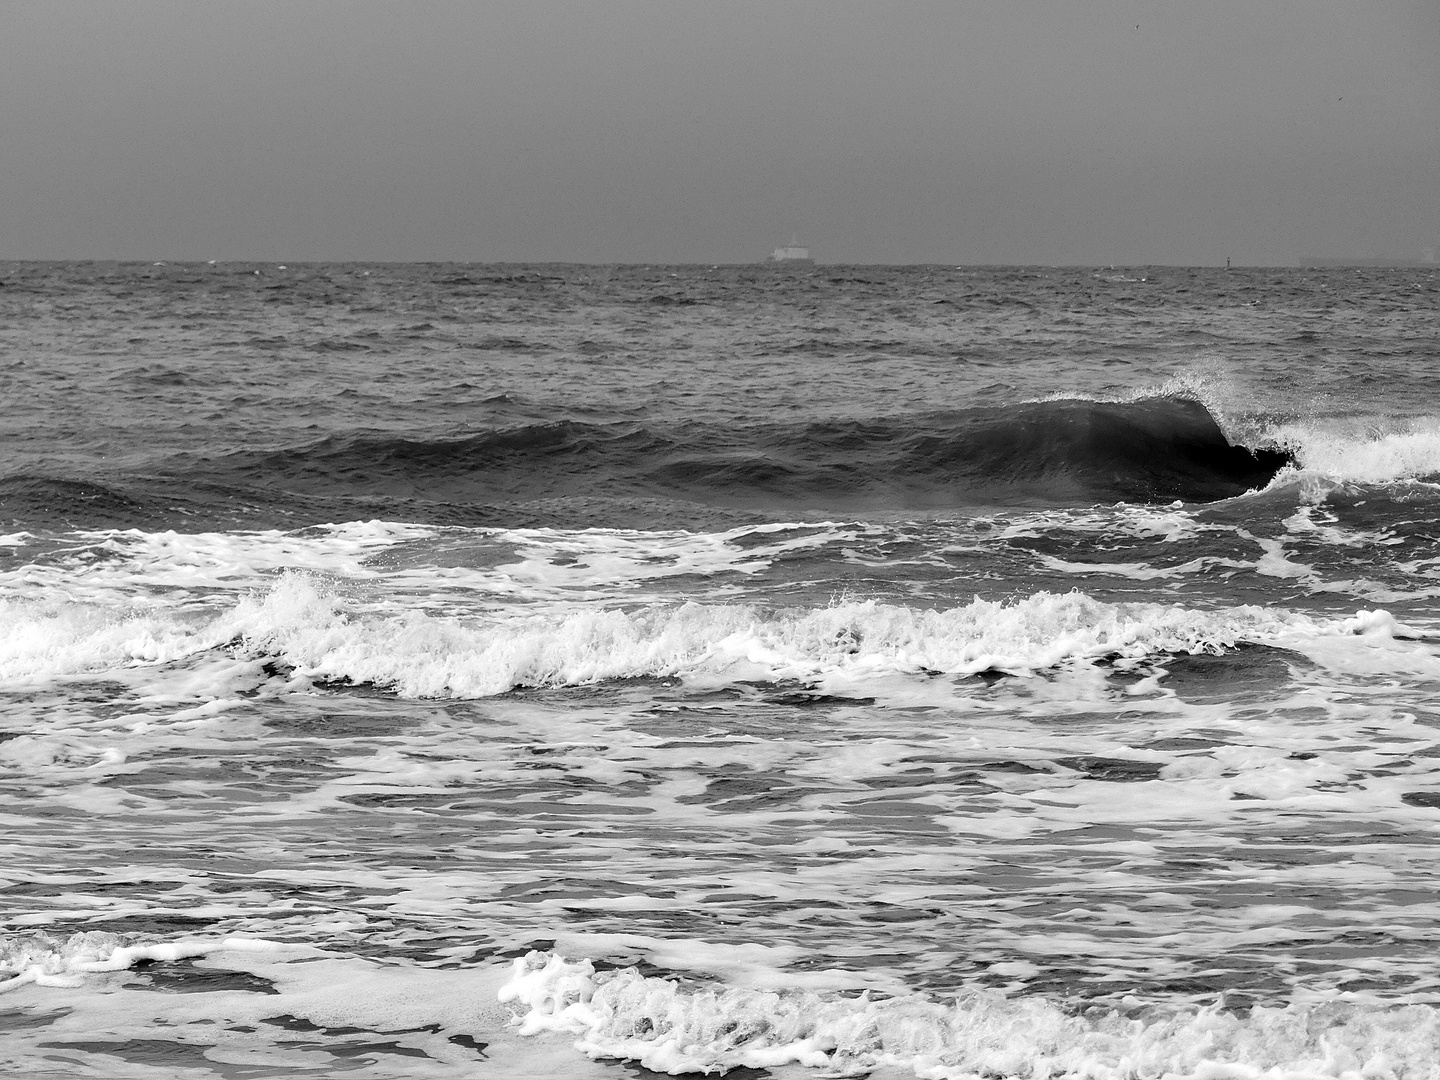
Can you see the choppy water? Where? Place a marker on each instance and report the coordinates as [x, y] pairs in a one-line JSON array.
[[905, 672]]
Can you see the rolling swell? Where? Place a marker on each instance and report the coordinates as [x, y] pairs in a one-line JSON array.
[[1054, 452], [1154, 449]]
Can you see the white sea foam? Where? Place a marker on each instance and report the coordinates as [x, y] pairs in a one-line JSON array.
[[473, 567], [685, 1024], [1366, 457], [671, 1027], [418, 655], [1169, 523], [46, 961], [321, 1013], [43, 639], [123, 562], [422, 656], [1409, 450], [323, 634]]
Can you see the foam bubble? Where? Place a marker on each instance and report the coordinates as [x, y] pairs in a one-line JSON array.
[[1365, 457], [48, 961], [473, 567], [422, 656], [319, 1013], [323, 635], [672, 1027], [46, 639]]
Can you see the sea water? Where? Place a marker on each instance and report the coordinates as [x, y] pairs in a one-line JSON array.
[[447, 670]]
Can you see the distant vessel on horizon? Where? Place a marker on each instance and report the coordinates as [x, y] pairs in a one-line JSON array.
[[792, 254]]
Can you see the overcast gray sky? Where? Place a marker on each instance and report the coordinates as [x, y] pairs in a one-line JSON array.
[[635, 131]]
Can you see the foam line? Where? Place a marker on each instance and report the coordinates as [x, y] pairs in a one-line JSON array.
[[322, 635], [670, 1027]]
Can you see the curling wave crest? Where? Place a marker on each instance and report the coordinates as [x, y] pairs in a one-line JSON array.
[[1071, 451]]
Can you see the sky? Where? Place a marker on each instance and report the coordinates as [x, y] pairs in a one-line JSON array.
[[1094, 132]]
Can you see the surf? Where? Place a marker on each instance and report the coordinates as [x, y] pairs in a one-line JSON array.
[[668, 1026], [305, 632]]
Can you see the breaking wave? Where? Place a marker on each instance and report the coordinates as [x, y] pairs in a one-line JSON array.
[[580, 473], [317, 634], [668, 1027], [1154, 449], [687, 1024], [1366, 457]]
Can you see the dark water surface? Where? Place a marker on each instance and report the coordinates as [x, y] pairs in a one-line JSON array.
[[920, 671]]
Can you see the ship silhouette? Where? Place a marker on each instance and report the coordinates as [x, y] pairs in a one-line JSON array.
[[792, 254]]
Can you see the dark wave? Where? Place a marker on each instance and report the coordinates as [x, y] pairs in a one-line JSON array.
[[574, 473], [1153, 450], [28, 499], [1158, 449]]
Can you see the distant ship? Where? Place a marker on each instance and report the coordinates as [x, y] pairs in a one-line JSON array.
[[791, 255]]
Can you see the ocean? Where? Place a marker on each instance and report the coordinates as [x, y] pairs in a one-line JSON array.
[[599, 671]]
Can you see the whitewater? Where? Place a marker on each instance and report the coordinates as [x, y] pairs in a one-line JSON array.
[[584, 671]]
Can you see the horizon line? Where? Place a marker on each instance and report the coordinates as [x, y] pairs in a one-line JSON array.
[[1330, 262]]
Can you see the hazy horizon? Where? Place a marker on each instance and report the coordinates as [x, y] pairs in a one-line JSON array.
[[637, 132], [1338, 262]]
